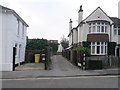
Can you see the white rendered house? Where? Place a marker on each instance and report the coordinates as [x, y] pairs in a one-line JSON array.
[[12, 34], [98, 29]]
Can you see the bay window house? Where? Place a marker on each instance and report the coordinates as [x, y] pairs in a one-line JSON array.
[[99, 30]]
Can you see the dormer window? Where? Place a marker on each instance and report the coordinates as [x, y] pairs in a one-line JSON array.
[[97, 27]]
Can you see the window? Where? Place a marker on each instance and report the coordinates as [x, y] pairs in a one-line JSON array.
[[19, 50], [105, 28], [102, 30], [93, 29], [118, 31], [98, 27], [98, 48], [101, 49], [93, 49], [18, 31], [89, 29], [22, 30], [115, 31]]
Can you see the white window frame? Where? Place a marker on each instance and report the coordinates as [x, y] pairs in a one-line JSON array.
[[101, 44], [116, 30], [96, 25]]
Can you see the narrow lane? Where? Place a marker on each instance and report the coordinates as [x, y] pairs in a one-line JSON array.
[[61, 64]]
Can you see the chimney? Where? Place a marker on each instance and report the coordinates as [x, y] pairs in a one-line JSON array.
[[70, 25], [80, 14], [119, 9]]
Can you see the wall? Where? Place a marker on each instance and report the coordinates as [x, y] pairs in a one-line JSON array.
[[4, 63], [119, 9], [70, 39], [74, 36], [10, 38], [0, 37], [98, 13]]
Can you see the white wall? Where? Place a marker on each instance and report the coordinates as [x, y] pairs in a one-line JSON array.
[[80, 33], [70, 39], [0, 37], [119, 18], [10, 37], [74, 36], [4, 43], [100, 14]]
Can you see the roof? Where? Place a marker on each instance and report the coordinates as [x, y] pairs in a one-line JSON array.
[[116, 21], [91, 14], [98, 37], [15, 14]]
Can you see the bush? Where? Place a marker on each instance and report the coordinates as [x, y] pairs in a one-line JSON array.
[[83, 50], [111, 48]]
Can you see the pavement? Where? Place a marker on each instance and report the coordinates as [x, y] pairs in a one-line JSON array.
[[60, 68]]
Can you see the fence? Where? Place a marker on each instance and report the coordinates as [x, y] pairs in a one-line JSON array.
[[92, 62]]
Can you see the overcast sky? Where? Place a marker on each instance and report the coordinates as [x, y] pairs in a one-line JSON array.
[[49, 19]]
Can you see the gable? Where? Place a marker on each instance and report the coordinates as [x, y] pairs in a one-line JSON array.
[[98, 14]]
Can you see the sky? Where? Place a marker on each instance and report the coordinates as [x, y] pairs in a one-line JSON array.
[[49, 19]]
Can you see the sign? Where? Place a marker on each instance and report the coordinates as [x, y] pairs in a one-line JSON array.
[[43, 57]]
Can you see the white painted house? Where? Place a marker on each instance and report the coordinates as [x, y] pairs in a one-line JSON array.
[[98, 29], [12, 34]]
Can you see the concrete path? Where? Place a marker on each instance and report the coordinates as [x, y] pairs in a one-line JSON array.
[[60, 67], [30, 66]]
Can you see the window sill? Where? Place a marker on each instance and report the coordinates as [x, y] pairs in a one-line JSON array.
[[98, 54]]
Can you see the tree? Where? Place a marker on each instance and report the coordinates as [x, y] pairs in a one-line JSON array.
[[54, 46], [64, 42]]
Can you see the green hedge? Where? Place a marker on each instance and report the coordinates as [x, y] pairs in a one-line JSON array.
[[111, 48]]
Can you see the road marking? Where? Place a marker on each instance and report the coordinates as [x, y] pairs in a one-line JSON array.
[[46, 78]]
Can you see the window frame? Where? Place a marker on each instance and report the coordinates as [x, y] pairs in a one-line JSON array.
[[95, 25], [102, 46]]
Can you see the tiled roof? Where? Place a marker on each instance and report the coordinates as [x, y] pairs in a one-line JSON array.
[[116, 21], [97, 37]]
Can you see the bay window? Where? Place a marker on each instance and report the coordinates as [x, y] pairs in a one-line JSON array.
[[98, 27], [98, 48]]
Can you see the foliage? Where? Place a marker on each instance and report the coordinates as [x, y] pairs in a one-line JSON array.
[[39, 44], [54, 46], [64, 42], [83, 50], [111, 48], [86, 44], [36, 44]]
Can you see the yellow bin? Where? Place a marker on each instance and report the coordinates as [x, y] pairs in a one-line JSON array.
[[37, 58]]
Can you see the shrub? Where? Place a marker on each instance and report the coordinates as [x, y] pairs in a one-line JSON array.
[[83, 50]]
